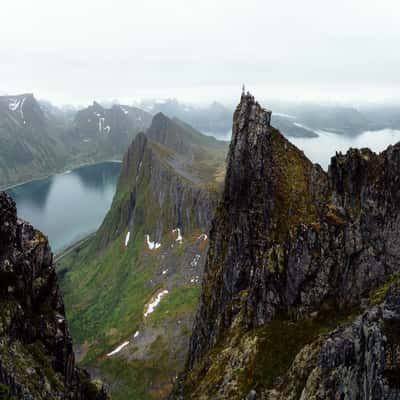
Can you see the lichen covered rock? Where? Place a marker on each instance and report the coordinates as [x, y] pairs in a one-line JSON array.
[[36, 357], [295, 252]]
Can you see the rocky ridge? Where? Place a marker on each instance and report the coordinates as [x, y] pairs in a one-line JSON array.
[[36, 356], [295, 253]]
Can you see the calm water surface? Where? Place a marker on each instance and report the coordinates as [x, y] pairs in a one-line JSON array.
[[321, 149], [68, 206]]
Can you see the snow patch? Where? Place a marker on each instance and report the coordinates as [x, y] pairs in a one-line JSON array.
[[21, 109], [124, 110], [17, 104], [195, 261], [118, 349], [151, 307], [127, 237], [179, 237], [101, 124], [165, 271], [13, 104], [152, 245], [136, 334]]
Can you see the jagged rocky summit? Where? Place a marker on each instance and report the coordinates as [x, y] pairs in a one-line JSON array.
[[36, 356], [300, 298]]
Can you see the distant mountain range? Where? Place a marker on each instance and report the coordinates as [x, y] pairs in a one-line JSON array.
[[30, 139], [38, 138], [293, 119]]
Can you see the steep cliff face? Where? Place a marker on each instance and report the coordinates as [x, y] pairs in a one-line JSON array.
[[294, 252], [136, 283], [152, 194], [36, 357]]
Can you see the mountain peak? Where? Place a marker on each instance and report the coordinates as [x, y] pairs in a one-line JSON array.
[[160, 118], [168, 132], [97, 105], [289, 242], [249, 113]]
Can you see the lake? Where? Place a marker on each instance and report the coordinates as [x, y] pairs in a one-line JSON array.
[[69, 206]]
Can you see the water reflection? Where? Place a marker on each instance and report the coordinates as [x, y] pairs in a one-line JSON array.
[[67, 207]]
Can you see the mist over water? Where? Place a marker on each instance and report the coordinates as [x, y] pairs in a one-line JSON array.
[[321, 149]]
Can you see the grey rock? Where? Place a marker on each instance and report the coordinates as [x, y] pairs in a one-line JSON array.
[[287, 239], [36, 356]]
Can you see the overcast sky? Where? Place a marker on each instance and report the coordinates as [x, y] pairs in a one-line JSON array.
[[74, 51]]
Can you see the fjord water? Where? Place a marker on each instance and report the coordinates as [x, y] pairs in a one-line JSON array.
[[322, 148], [68, 206]]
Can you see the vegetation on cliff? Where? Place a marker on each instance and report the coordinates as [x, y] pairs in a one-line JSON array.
[[294, 255]]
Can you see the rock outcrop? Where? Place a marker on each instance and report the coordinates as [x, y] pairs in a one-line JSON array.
[[36, 357], [295, 252]]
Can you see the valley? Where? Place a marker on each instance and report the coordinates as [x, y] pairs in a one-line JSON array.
[[131, 287]]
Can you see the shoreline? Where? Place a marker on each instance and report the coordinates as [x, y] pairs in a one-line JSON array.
[[66, 170], [63, 252]]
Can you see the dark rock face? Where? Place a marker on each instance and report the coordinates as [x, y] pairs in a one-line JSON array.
[[156, 196], [165, 131], [36, 357], [288, 239], [360, 361]]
